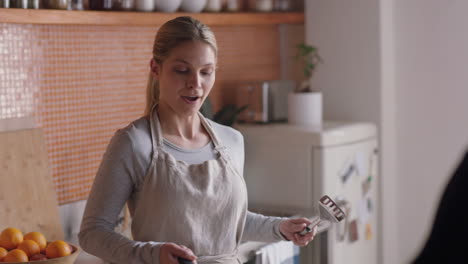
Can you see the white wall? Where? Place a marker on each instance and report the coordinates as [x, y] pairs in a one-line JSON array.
[[400, 64], [350, 40], [432, 95], [347, 34]]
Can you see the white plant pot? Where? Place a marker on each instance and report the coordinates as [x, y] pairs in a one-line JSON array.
[[193, 6], [168, 6], [305, 109]]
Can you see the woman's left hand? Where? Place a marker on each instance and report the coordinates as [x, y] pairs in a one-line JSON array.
[[290, 228]]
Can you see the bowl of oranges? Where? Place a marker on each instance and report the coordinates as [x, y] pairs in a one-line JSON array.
[[33, 247]]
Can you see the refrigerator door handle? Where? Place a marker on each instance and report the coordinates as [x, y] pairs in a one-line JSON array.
[[346, 207]]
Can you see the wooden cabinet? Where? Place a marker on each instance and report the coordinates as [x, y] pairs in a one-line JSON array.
[[64, 17]]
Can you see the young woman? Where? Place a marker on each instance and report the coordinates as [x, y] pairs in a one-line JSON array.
[[180, 174]]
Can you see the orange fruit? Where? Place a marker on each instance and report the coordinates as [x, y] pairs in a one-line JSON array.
[[30, 247], [38, 257], [3, 253], [10, 238], [16, 255], [58, 248], [37, 237]]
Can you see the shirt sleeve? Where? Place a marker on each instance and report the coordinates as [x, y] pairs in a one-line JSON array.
[[262, 228], [113, 185]]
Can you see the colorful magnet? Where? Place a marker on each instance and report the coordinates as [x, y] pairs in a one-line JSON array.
[[346, 174], [368, 231], [365, 187], [353, 231]]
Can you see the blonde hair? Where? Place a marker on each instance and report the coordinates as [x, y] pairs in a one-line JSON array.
[[171, 34]]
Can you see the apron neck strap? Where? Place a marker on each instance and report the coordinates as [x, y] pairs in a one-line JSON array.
[[156, 131], [209, 129]]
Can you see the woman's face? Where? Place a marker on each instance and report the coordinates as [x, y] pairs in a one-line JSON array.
[[186, 77]]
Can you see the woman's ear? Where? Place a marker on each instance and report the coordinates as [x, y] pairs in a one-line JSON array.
[[155, 69]]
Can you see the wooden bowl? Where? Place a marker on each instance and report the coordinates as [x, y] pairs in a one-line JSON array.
[[62, 260]]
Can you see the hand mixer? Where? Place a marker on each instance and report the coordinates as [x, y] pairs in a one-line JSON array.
[[328, 211]]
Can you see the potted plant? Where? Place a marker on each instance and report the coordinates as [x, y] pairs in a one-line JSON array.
[[305, 103], [227, 115]]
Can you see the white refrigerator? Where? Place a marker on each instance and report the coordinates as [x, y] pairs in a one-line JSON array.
[[288, 169]]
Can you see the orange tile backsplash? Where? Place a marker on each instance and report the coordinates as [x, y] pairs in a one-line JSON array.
[[82, 83]]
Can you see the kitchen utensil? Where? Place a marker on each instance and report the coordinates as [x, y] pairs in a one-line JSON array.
[[27, 197], [184, 261], [328, 211]]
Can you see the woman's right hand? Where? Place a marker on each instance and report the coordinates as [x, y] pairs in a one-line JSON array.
[[169, 252]]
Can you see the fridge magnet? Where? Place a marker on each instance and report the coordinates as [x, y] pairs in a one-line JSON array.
[[368, 231], [366, 186], [353, 231], [346, 173]]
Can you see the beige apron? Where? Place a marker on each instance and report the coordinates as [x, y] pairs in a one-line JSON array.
[[201, 206]]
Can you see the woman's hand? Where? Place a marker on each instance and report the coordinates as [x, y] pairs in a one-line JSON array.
[[169, 252], [291, 228]]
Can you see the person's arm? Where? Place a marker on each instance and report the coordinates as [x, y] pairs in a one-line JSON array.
[[262, 228], [112, 187]]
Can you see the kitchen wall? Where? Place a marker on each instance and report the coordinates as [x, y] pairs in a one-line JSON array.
[[431, 58], [81, 83], [348, 36], [401, 65]]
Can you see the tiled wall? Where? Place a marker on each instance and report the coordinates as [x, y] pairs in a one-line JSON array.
[[81, 83]]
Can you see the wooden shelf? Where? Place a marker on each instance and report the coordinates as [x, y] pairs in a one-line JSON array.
[[116, 18]]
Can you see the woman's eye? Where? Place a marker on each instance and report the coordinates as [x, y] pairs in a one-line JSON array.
[[181, 71], [206, 73]]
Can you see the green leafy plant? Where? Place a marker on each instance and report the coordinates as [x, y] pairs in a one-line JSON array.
[[207, 109], [227, 115], [309, 57]]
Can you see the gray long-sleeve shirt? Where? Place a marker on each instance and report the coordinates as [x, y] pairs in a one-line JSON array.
[[124, 165]]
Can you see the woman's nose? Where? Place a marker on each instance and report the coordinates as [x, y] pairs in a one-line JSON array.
[[194, 81]]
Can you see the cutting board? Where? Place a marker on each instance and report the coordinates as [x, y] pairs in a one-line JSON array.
[[27, 197]]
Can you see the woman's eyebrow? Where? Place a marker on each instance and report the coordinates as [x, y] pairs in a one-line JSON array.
[[186, 62], [181, 60]]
